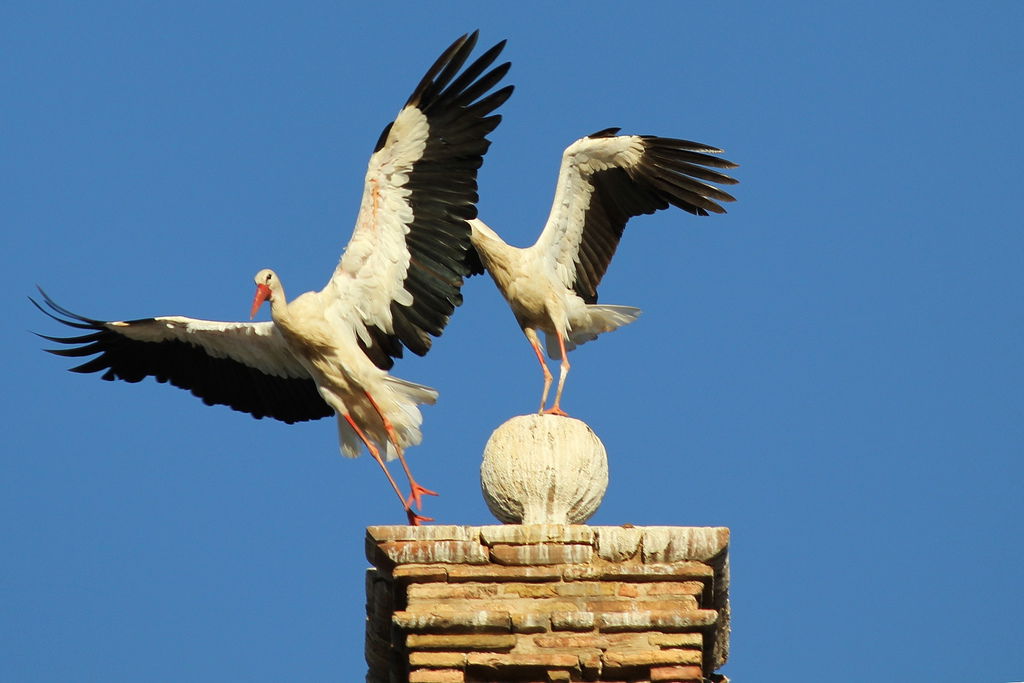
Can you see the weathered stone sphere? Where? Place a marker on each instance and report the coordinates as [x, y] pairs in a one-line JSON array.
[[544, 469]]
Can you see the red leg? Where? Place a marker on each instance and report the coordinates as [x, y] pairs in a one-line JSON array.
[[556, 408], [417, 491], [531, 335], [414, 519]]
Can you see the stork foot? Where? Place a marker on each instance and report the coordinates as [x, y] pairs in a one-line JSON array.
[[416, 520], [417, 495], [554, 410]]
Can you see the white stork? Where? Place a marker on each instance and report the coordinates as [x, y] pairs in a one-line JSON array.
[[398, 281], [605, 180]]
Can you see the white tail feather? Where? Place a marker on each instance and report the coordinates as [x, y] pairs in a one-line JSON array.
[[400, 400], [417, 393], [600, 318], [351, 444]]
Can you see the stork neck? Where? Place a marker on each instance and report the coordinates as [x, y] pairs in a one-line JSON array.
[[278, 303]]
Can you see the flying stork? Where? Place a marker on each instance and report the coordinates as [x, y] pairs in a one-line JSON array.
[[605, 179], [397, 282]]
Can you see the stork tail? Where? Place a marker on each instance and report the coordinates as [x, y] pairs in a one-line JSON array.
[[602, 318]]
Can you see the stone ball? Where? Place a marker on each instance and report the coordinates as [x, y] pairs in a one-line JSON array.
[[544, 469]]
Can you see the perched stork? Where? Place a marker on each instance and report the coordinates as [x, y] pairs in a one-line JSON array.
[[605, 180], [398, 281]]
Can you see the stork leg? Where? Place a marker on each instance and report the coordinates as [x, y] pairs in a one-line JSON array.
[[414, 519], [563, 371], [416, 490], [531, 335]]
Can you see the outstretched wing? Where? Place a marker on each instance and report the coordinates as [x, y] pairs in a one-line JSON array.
[[400, 277], [246, 366], [606, 179]]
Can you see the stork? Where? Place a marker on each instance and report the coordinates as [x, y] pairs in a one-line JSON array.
[[396, 285], [604, 180]]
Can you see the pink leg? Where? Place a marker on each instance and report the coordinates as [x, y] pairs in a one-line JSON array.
[[556, 409], [531, 335], [414, 519], [417, 491]]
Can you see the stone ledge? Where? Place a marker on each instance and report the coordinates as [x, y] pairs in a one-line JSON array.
[[528, 534], [655, 544], [426, 552], [542, 554]]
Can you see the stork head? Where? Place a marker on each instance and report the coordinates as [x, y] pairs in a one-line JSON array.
[[266, 285]]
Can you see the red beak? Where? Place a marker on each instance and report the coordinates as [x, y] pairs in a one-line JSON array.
[[262, 294]]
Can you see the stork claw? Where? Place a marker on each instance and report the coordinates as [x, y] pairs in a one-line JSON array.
[[416, 520], [554, 410], [416, 496]]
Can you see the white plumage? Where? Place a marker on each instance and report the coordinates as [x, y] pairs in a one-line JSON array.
[[604, 180], [396, 284]]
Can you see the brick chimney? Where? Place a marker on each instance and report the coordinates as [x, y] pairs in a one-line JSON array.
[[546, 602]]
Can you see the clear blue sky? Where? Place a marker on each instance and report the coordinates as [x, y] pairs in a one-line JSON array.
[[833, 369]]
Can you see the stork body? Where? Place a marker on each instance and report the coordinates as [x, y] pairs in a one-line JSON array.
[[395, 286], [605, 179]]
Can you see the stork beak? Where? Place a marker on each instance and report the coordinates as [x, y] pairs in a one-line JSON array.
[[262, 294]]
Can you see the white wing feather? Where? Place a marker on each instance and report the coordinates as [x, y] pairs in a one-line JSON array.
[[256, 345], [563, 231], [372, 269]]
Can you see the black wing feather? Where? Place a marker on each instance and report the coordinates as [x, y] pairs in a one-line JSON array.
[[215, 380], [459, 109], [670, 172]]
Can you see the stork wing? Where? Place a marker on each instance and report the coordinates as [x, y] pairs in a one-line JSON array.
[[400, 277], [246, 366], [606, 179]]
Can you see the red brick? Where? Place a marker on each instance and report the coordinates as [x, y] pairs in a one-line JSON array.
[[434, 532], [674, 543], [655, 621], [674, 588], [572, 621], [440, 620], [614, 658], [429, 552], [531, 534], [531, 622], [541, 554], [528, 590], [436, 676], [586, 588], [683, 603], [684, 640], [447, 591], [460, 641], [582, 640], [546, 659], [634, 571], [438, 660], [493, 572], [420, 573], [681, 674], [629, 590]]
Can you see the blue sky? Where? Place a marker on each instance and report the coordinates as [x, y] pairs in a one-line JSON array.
[[833, 369]]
